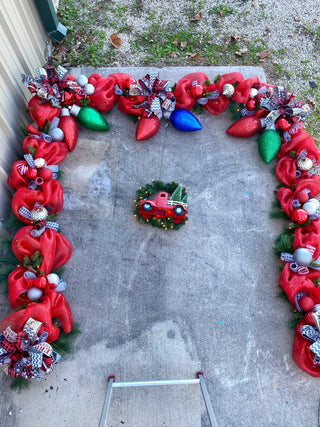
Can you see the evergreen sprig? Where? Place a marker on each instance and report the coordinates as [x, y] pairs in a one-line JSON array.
[[284, 243], [198, 108], [64, 345], [277, 212], [234, 109], [19, 384]]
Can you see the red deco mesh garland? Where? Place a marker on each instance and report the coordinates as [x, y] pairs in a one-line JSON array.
[[264, 110]]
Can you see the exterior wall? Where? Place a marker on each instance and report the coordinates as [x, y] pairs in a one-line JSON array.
[[22, 49]]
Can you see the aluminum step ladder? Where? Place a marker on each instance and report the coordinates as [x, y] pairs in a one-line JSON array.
[[199, 380]]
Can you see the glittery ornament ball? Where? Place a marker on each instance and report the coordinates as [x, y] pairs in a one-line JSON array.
[[228, 90], [40, 163], [306, 303], [300, 216], [39, 214], [302, 256], [82, 80], [305, 164], [302, 196]]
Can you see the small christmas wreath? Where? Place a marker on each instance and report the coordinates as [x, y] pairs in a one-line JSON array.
[[168, 210]]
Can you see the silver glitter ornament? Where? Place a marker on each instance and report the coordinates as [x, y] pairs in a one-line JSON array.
[[39, 213], [228, 90], [302, 256], [40, 163], [305, 164]]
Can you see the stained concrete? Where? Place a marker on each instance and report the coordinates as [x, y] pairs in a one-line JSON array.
[[163, 305]]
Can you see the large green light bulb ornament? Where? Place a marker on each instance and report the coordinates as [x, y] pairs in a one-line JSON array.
[[269, 144], [90, 118]]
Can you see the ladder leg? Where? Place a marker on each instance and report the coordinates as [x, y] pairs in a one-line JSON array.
[[207, 400], [106, 405]]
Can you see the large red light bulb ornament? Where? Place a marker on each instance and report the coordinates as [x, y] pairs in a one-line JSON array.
[[70, 128]]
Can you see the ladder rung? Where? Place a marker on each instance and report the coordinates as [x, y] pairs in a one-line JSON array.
[[153, 383]]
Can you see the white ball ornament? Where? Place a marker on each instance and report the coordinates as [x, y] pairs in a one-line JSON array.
[[40, 163], [82, 80], [228, 90], [315, 202], [89, 88], [309, 207], [53, 278], [302, 256], [253, 92], [34, 294], [56, 134]]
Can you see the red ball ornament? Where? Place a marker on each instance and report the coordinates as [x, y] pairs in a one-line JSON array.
[[46, 174], [300, 216], [302, 196], [32, 173], [245, 127], [147, 127], [309, 319], [283, 124], [41, 282], [306, 303], [251, 105], [197, 91], [128, 82]]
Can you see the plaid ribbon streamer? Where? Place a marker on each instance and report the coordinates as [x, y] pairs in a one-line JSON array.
[[279, 103], [24, 353], [158, 96], [50, 84], [29, 159], [312, 334]]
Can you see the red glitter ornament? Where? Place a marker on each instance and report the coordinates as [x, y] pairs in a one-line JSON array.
[[69, 126], [245, 127], [147, 127], [300, 216], [251, 105], [32, 173], [46, 174], [197, 91], [306, 303], [302, 196], [283, 124]]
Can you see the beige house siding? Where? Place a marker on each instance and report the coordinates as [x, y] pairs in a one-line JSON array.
[[22, 49]]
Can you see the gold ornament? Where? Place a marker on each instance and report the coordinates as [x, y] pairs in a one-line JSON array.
[[305, 164], [40, 163], [228, 90], [39, 213]]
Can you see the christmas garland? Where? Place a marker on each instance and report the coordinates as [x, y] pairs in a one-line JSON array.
[[59, 102]]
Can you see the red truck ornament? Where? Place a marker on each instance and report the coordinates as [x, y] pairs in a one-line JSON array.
[[164, 206]]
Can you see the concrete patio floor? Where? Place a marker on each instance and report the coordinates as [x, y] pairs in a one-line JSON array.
[[164, 305]]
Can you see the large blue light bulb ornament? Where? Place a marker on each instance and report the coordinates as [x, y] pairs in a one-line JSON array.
[[184, 120]]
